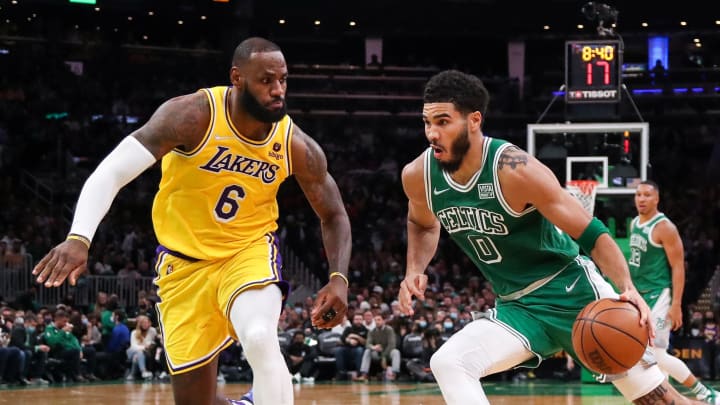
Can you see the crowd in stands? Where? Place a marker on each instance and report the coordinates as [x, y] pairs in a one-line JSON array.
[[54, 133]]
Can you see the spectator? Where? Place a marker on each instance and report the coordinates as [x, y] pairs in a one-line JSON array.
[[420, 368], [11, 363], [300, 359], [34, 342], [368, 320], [448, 326], [141, 347], [106, 317], [348, 356], [100, 303], [114, 356], [93, 337], [64, 345], [18, 336], [120, 337], [710, 329], [381, 345]]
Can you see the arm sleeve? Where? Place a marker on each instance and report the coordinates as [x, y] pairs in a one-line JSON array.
[[127, 161]]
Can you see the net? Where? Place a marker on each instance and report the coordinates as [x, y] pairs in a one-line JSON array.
[[584, 191]]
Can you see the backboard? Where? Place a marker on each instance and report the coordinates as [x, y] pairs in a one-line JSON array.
[[615, 154]]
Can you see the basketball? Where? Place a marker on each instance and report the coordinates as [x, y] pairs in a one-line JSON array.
[[607, 336]]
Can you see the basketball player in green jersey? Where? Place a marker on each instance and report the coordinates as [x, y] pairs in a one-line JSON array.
[[657, 267], [502, 207]]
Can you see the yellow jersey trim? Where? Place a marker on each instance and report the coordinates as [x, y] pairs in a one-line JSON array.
[[207, 132], [205, 360], [288, 147], [237, 133], [274, 277]]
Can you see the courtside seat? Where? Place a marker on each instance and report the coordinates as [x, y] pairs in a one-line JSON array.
[[325, 360]]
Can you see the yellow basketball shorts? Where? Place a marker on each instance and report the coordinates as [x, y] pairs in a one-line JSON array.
[[196, 297]]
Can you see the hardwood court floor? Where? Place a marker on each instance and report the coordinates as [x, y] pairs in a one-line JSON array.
[[540, 392]]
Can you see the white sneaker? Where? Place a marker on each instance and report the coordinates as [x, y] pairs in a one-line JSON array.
[[129, 377], [296, 378], [308, 380], [711, 397], [146, 375]]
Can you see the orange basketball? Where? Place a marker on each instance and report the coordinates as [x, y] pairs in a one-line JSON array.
[[607, 336]]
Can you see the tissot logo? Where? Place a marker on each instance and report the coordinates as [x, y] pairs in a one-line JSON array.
[[594, 94]]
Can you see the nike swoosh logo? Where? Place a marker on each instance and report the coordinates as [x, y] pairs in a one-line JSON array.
[[438, 192], [570, 287], [652, 297]]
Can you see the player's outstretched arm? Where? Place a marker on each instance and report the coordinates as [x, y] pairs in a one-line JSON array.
[[178, 122], [525, 181], [423, 233], [309, 166]]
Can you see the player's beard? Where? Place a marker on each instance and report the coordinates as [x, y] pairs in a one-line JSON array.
[[458, 150], [260, 113]]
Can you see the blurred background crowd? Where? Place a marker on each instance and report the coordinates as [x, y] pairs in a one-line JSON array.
[[70, 90]]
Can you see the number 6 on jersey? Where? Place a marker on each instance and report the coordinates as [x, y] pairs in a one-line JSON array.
[[229, 203]]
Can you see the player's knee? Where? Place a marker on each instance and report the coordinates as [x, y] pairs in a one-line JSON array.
[[658, 352], [444, 361], [256, 337], [639, 381]]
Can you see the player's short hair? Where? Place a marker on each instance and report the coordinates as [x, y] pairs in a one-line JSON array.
[[252, 45], [651, 184], [466, 92]]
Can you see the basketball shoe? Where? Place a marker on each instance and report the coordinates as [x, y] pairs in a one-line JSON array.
[[711, 396], [246, 399]]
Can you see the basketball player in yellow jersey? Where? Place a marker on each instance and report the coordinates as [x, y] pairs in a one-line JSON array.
[[224, 153]]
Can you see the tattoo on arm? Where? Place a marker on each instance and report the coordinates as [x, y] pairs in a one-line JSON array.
[[513, 158], [656, 396], [188, 132], [178, 123]]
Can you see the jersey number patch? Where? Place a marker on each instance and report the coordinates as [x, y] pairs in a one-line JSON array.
[[228, 204], [485, 249]]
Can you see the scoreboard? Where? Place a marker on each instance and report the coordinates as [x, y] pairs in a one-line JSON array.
[[592, 71]]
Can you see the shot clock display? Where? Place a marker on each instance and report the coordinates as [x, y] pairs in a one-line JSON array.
[[592, 71]]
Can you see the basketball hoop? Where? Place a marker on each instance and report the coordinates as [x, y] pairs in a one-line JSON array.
[[584, 191]]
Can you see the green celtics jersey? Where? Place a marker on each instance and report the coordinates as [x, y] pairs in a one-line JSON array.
[[649, 266], [515, 251]]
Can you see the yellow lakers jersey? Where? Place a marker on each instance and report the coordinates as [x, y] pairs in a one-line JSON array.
[[218, 198]]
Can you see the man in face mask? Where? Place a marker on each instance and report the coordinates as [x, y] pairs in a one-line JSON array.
[[17, 340], [35, 349], [448, 325]]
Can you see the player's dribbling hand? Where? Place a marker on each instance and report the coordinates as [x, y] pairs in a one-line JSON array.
[[634, 297], [412, 285], [330, 305], [66, 259]]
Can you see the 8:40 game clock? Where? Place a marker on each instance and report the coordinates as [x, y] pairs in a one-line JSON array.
[[592, 71]]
